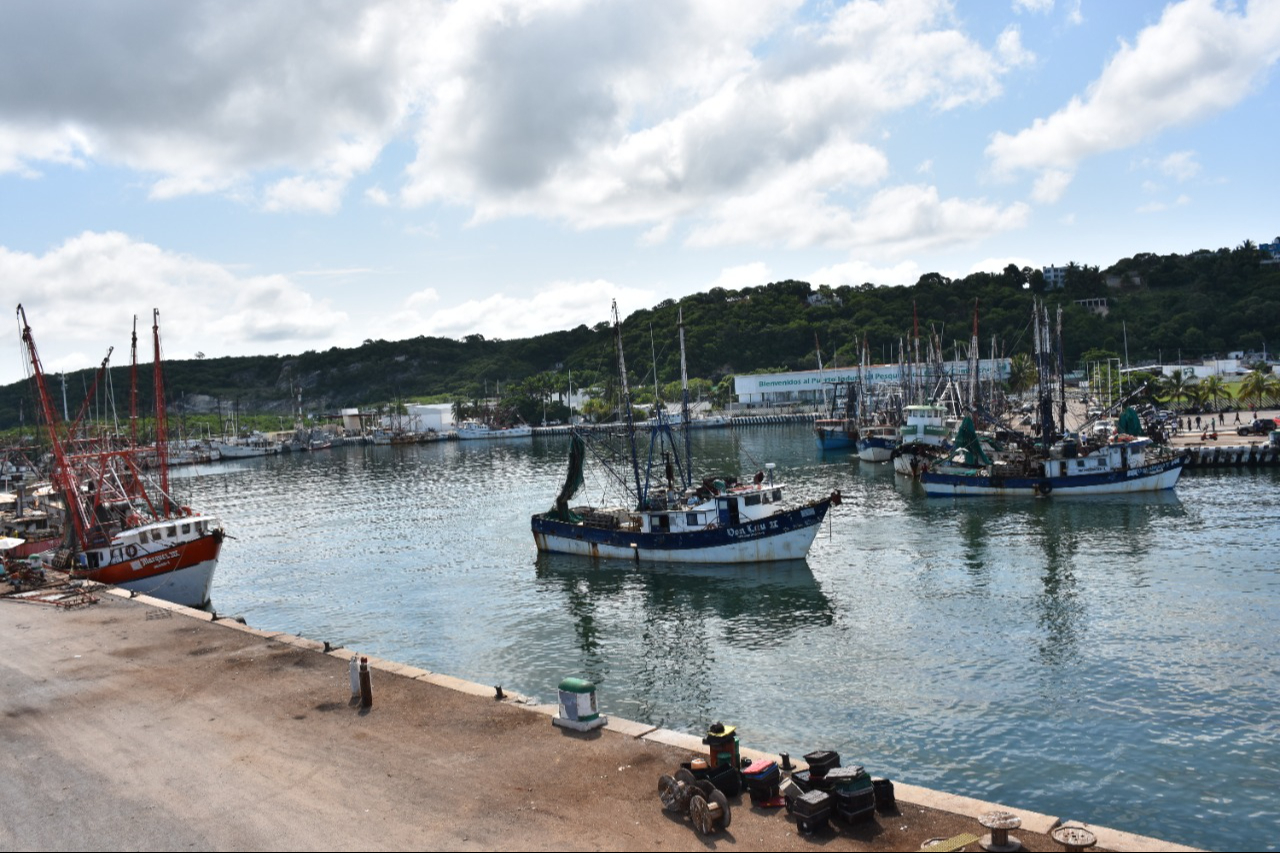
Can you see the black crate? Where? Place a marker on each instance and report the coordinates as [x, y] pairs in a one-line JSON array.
[[844, 777], [813, 806], [885, 801], [821, 761], [803, 780]]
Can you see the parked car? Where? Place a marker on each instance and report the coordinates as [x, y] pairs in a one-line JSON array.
[[1257, 426]]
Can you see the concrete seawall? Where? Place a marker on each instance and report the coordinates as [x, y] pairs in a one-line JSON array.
[[146, 725]]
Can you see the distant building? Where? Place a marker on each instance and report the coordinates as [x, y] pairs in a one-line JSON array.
[[1271, 251], [1095, 306], [821, 298], [1055, 278]]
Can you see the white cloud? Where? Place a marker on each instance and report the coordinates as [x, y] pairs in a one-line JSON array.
[[562, 305], [663, 116], [1180, 165], [298, 193], [1033, 5], [1009, 48], [110, 277], [1160, 206], [913, 218], [201, 95], [997, 265], [857, 272], [744, 275], [1197, 60], [1050, 186]]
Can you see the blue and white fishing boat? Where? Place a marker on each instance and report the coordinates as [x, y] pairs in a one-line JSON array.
[[877, 443], [924, 437], [666, 517], [1058, 463], [1122, 465]]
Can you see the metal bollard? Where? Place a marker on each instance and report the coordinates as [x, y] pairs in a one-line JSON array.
[[355, 676], [366, 685]]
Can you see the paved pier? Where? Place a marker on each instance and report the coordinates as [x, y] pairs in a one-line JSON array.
[[136, 724]]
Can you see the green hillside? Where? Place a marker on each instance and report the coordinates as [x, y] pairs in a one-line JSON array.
[[1191, 305]]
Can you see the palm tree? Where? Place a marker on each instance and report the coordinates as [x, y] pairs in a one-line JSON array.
[[1022, 373], [1176, 386], [1254, 386], [1213, 389], [1271, 387]]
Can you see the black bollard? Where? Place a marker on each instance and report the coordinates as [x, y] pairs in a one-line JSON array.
[[366, 685]]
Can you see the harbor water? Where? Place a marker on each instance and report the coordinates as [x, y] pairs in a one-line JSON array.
[[1111, 660]]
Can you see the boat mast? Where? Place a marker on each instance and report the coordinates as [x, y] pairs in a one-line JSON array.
[[133, 385], [162, 425], [684, 407], [626, 404], [974, 358], [62, 477]]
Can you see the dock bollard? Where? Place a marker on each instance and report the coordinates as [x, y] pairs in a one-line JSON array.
[[578, 709], [355, 676], [366, 685]]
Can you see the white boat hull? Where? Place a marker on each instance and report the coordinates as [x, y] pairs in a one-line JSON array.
[[191, 586], [1154, 478]]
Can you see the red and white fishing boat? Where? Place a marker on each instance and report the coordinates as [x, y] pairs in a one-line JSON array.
[[123, 527]]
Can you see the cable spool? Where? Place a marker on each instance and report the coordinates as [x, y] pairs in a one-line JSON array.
[[710, 815]]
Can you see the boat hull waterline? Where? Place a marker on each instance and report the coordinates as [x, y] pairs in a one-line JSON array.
[[786, 535], [1150, 478]]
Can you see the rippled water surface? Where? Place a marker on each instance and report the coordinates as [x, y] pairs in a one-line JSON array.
[[1107, 659]]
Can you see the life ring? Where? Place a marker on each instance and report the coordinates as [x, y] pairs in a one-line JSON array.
[[1044, 487], [131, 551]]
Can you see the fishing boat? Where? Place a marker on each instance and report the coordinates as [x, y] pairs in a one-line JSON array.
[[472, 430], [247, 446], [877, 443], [923, 437], [123, 526], [1119, 464], [1058, 462], [666, 517]]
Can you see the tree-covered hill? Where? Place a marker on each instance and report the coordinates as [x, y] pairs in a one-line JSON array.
[[1191, 305]]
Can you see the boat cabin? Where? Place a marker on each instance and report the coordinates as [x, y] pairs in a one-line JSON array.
[[740, 505]]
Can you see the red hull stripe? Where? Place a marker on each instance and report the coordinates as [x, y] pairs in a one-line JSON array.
[[161, 562]]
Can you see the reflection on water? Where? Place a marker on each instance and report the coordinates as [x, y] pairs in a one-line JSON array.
[[1077, 656], [685, 616]]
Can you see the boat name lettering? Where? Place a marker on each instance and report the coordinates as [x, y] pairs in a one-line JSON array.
[[749, 529]]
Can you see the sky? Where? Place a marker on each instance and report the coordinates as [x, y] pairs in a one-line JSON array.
[[278, 176]]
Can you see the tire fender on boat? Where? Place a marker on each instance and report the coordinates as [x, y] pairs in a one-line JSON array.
[[131, 551], [835, 498], [1044, 487]]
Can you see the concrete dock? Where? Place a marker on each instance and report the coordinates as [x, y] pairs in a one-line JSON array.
[[137, 724]]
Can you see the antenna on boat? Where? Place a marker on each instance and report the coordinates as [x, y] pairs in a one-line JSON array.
[[626, 403], [684, 407]]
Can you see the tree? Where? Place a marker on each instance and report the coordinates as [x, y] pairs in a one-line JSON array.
[[1254, 387], [1213, 389], [1022, 373], [1176, 386]]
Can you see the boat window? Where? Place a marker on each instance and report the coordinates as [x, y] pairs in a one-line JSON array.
[[659, 522], [156, 534], [777, 494], [199, 527], [753, 500], [186, 528], [692, 518], [172, 530], [93, 559]]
